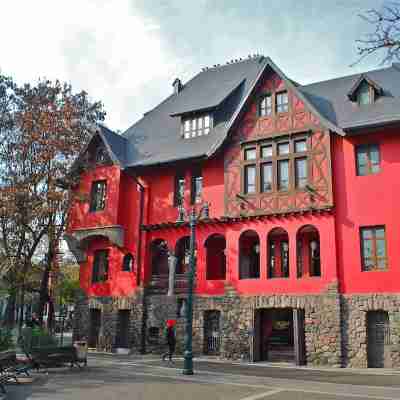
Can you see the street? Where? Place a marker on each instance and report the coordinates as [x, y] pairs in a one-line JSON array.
[[111, 377]]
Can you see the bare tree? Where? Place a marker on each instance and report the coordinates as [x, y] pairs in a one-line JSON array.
[[386, 33], [43, 127]]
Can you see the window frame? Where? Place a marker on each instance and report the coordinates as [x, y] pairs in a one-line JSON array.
[[371, 94], [93, 205], [368, 147], [374, 257], [178, 198], [260, 100], [287, 104], [96, 277], [196, 174], [194, 125], [292, 156]]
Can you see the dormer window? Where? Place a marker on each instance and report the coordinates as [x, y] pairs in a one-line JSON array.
[[196, 126], [365, 94], [365, 91], [100, 156]]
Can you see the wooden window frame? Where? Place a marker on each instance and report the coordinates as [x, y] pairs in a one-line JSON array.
[[281, 92], [96, 277], [260, 99], [374, 257], [179, 200], [371, 92], [194, 131], [93, 207], [196, 174], [367, 146], [274, 159]]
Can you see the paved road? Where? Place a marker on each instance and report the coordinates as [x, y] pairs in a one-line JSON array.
[[112, 378]]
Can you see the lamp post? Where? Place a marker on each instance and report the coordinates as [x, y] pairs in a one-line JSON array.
[[193, 219]]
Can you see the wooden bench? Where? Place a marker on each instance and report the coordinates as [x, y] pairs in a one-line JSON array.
[[48, 357]]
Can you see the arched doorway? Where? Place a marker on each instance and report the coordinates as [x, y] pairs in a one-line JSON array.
[[308, 252], [378, 339], [182, 254], [278, 253], [159, 257], [249, 255], [215, 257]]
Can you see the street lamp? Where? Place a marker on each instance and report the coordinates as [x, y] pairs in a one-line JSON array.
[[193, 219]]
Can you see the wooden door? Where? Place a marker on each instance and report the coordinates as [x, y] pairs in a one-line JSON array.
[[95, 323], [122, 338], [256, 333], [378, 336], [299, 337]]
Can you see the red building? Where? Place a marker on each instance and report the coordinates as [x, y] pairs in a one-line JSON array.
[[298, 259]]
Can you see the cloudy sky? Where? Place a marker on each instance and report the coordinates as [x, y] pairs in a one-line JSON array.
[[126, 53]]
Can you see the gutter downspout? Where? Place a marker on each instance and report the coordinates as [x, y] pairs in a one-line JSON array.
[[139, 263]]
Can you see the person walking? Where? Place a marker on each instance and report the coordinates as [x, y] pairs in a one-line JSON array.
[[171, 340]]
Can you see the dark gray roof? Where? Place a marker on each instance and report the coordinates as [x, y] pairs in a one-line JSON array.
[[330, 98], [156, 138]]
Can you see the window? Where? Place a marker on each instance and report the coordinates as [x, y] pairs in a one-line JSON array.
[[266, 177], [276, 165], [266, 105], [196, 187], [250, 154], [101, 156], [283, 174], [373, 248], [365, 94], [179, 193], [98, 196], [282, 102], [367, 159], [127, 263], [250, 179], [100, 266], [196, 126], [300, 168]]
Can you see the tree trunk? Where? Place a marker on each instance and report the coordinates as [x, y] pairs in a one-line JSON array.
[[10, 309]]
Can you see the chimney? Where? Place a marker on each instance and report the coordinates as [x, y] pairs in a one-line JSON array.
[[177, 85]]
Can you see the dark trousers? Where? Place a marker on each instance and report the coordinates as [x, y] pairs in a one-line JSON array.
[[171, 351]]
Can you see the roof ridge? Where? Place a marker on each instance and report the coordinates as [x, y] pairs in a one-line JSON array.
[[348, 76], [235, 61]]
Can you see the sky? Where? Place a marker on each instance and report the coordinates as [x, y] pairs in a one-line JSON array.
[[127, 53]]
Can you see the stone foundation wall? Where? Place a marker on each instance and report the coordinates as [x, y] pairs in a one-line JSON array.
[[335, 325], [354, 327]]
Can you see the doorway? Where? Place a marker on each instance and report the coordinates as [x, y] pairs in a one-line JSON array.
[[279, 335], [122, 337], [95, 323], [212, 332], [378, 336]]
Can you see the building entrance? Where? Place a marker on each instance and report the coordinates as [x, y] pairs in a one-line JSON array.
[[279, 335]]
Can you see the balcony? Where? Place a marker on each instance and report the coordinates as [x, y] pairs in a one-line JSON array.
[[159, 284], [78, 239]]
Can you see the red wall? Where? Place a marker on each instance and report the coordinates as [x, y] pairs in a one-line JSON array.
[[367, 201]]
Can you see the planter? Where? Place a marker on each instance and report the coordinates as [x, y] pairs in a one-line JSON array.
[[81, 349], [123, 350]]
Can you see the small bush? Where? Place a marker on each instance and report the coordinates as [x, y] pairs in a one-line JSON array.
[[6, 340]]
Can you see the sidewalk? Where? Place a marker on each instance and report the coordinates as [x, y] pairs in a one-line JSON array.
[[148, 358]]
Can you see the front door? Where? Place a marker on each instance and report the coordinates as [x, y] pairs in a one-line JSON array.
[[378, 336], [122, 329], [95, 323], [212, 332]]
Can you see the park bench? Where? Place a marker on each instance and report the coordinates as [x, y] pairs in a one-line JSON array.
[[10, 369], [47, 357]]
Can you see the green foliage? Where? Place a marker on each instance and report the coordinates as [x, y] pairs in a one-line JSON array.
[[6, 341]]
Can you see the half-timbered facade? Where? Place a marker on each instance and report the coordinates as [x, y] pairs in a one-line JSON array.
[[298, 258]]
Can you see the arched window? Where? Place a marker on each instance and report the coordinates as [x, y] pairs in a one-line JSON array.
[[182, 253], [159, 257], [249, 255], [308, 252], [215, 257], [278, 253], [127, 263]]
